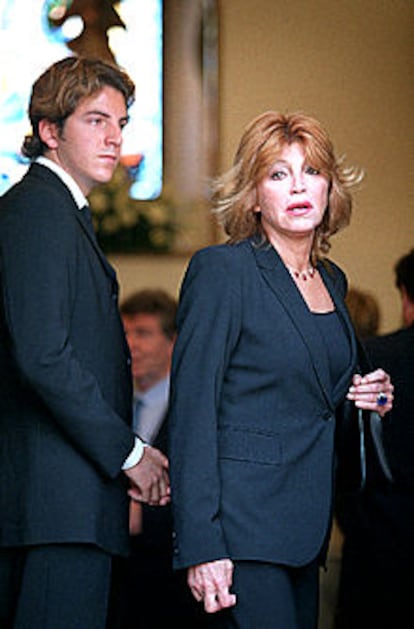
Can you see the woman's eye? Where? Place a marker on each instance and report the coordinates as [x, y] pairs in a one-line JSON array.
[[277, 174], [312, 171]]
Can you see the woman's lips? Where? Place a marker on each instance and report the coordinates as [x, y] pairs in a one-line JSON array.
[[299, 207]]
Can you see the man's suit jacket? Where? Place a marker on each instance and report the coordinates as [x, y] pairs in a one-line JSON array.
[[375, 585], [64, 375], [252, 413], [395, 353], [380, 520]]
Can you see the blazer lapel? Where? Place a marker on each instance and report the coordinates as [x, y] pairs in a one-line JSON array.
[[278, 279], [342, 311]]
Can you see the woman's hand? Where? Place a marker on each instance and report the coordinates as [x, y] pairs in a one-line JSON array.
[[211, 582], [373, 392]]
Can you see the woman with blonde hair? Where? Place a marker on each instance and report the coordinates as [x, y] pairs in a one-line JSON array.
[[265, 356]]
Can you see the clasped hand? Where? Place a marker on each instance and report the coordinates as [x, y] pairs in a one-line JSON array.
[[149, 478], [373, 391]]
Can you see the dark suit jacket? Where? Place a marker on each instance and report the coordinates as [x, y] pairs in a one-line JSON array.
[[395, 353], [64, 375], [380, 520], [252, 413], [375, 585]]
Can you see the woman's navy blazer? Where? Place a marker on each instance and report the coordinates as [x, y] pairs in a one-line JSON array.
[[65, 402], [252, 412]]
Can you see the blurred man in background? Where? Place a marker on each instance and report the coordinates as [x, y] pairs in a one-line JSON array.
[[156, 596]]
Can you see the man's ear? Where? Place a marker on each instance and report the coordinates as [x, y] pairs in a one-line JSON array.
[[49, 133]]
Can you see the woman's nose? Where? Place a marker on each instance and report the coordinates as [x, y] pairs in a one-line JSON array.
[[298, 183]]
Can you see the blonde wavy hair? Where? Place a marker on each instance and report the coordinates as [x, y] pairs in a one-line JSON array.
[[234, 193]]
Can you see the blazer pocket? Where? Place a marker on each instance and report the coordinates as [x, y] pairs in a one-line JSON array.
[[248, 445]]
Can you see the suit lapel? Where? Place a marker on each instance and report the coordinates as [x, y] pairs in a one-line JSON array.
[[52, 179], [87, 226], [278, 279]]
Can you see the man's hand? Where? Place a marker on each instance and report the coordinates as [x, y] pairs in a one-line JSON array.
[[211, 582], [135, 517], [149, 478]]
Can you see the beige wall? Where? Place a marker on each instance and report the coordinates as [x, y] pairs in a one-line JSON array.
[[351, 65], [135, 272]]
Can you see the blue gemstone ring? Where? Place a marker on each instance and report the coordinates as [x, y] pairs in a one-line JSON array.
[[382, 399]]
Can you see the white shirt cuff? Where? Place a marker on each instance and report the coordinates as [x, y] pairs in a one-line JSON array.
[[135, 455]]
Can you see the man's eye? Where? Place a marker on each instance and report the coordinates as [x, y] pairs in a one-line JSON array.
[[97, 121]]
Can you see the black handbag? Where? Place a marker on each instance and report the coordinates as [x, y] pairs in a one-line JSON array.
[[360, 455]]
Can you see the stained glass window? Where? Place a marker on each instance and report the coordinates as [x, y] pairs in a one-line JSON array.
[[36, 33]]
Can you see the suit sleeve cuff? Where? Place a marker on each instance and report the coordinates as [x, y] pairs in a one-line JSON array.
[[135, 455]]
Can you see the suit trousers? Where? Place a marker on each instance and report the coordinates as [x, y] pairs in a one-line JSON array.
[[65, 586], [271, 596]]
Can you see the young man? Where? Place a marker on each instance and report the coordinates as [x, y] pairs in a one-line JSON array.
[[67, 450]]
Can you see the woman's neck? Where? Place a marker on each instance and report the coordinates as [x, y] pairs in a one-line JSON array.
[[295, 252]]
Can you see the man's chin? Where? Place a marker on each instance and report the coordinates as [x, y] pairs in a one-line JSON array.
[[104, 175]]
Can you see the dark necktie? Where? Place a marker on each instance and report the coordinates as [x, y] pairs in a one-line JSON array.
[[86, 219], [87, 215]]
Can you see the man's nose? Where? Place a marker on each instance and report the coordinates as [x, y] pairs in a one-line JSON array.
[[114, 136]]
